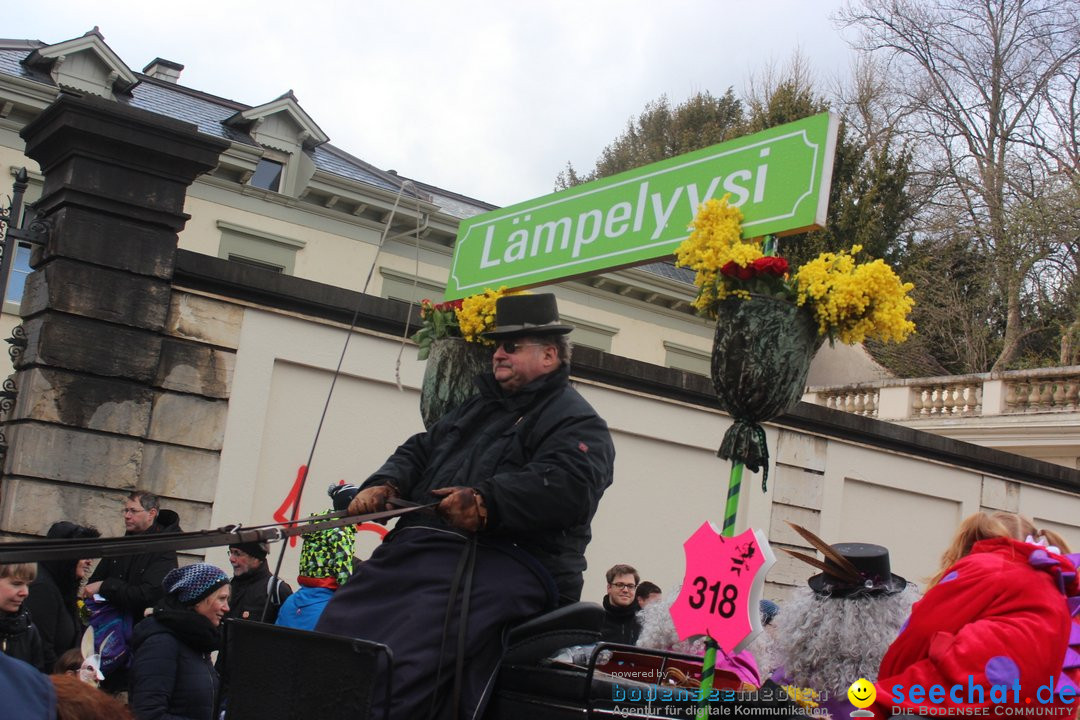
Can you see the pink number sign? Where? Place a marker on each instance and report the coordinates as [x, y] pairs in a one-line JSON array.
[[722, 586]]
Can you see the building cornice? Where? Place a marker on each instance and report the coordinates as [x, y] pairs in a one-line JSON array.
[[30, 94]]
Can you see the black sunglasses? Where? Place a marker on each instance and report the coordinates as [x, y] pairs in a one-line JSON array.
[[510, 347]]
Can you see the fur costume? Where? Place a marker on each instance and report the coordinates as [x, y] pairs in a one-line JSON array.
[[825, 643], [658, 632]]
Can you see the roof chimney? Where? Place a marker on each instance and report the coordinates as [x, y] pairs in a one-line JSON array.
[[162, 69]]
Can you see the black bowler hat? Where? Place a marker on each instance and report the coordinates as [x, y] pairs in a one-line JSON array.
[[850, 569], [518, 315], [875, 575]]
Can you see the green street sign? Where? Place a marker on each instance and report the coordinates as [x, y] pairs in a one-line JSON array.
[[779, 178]]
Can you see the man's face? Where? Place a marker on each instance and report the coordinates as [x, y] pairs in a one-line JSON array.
[[242, 562], [137, 519], [620, 591], [518, 362]]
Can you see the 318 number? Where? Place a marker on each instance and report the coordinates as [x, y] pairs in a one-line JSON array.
[[723, 597]]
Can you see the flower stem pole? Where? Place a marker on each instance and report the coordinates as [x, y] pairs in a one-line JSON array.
[[731, 509], [708, 668]]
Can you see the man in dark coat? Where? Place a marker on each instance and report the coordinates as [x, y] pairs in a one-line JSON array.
[[132, 583], [518, 471], [620, 606], [252, 584]]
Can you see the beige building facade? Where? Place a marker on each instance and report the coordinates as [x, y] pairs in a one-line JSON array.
[[281, 237], [285, 199]]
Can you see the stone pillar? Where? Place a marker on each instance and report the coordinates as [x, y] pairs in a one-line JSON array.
[[95, 315]]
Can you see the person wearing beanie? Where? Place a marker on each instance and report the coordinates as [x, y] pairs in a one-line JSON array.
[[172, 675], [253, 585], [54, 595], [326, 560]]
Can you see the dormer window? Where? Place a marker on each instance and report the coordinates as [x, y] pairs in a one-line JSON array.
[[285, 137], [268, 175]]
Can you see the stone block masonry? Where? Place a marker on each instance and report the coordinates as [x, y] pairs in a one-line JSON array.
[[120, 385]]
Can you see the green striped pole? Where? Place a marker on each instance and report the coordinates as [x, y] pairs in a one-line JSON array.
[[708, 667], [732, 507], [708, 664]]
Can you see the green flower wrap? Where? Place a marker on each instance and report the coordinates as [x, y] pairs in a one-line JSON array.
[[452, 365], [761, 355]]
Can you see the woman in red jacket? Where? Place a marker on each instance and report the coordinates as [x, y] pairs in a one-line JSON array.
[[991, 632]]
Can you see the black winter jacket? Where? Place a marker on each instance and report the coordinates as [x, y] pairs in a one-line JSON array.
[[55, 616], [541, 458], [133, 583], [172, 677], [620, 623], [249, 595], [19, 638]]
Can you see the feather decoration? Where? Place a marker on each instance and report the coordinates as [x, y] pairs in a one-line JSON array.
[[840, 567]]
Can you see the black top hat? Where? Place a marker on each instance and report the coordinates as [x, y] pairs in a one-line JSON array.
[[875, 576], [518, 315]]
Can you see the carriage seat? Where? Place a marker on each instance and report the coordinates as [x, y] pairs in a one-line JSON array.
[[541, 636]]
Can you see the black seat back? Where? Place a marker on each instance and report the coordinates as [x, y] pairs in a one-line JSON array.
[[277, 672], [539, 637]]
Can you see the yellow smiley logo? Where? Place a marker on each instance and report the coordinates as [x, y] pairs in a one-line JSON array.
[[862, 694]]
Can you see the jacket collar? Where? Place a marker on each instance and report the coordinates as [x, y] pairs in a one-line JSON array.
[[524, 397]]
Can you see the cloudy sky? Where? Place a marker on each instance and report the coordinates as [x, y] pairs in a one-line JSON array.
[[489, 98]]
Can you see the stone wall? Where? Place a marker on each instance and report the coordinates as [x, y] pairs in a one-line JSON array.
[[123, 383]]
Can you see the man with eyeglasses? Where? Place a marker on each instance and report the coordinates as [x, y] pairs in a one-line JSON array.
[[132, 583], [620, 606], [517, 471]]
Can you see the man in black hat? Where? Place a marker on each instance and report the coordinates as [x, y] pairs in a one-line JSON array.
[[253, 585], [517, 471]]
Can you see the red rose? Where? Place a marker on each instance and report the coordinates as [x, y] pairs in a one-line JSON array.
[[770, 265], [737, 271]]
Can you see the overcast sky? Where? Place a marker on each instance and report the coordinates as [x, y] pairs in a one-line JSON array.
[[488, 98]]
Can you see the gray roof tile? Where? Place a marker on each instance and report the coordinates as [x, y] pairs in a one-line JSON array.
[[10, 63], [209, 116], [669, 271]]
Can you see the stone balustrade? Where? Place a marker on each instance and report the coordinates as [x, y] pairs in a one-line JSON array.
[[1014, 392]]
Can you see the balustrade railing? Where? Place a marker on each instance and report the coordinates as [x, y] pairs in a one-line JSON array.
[[962, 399], [1042, 390], [861, 401]]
